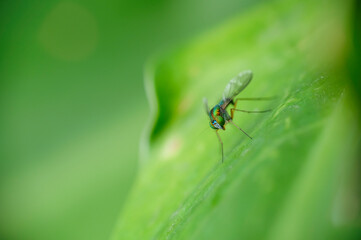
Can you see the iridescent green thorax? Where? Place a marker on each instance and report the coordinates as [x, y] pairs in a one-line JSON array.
[[216, 117]]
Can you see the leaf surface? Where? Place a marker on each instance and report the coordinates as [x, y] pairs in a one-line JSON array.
[[283, 184]]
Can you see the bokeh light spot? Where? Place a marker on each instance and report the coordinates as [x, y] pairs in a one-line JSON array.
[[69, 32]]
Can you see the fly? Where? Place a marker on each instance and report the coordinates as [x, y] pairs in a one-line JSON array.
[[219, 116]]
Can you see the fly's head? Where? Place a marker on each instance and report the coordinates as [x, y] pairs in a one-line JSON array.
[[217, 120]]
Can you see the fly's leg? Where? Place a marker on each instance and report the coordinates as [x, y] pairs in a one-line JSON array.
[[221, 142], [240, 128], [263, 111], [256, 99], [249, 99]]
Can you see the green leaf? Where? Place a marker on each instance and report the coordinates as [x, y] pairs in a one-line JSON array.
[[294, 179]]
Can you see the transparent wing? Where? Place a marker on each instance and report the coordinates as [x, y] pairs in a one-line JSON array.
[[205, 102], [236, 85]]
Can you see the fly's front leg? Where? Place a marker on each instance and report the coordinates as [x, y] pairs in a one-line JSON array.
[[221, 142]]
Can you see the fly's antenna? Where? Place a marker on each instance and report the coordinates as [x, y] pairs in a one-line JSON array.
[[205, 103]]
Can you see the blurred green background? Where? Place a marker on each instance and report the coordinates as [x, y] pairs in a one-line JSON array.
[[73, 106]]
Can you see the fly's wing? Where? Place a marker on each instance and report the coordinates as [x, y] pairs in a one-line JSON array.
[[205, 102], [235, 86]]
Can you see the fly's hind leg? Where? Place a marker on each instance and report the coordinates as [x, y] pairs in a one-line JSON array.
[[249, 99]]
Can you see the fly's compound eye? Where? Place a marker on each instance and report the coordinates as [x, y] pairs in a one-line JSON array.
[[212, 124], [216, 125]]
